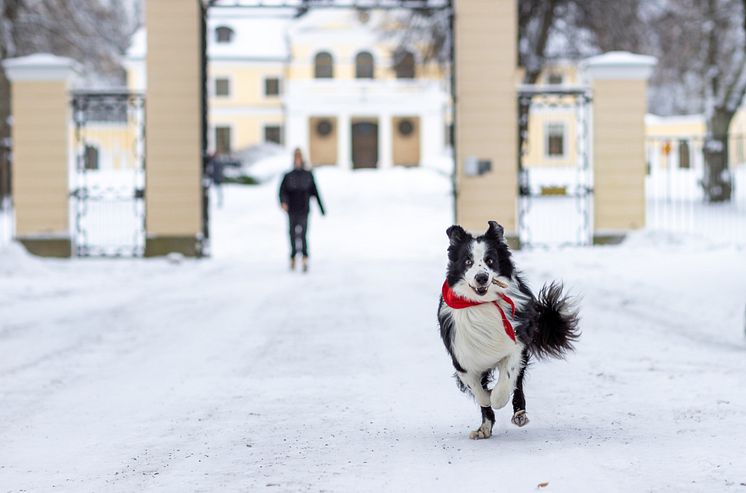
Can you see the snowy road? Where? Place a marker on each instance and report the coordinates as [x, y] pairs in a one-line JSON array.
[[233, 374]]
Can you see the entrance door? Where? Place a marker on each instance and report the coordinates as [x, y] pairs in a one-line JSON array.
[[364, 145]]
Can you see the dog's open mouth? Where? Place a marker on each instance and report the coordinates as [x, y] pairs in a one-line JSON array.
[[481, 290]]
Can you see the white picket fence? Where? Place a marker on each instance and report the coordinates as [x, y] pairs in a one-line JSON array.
[[675, 199]]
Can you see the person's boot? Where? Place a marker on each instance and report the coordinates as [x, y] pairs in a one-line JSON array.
[[305, 264], [292, 263]]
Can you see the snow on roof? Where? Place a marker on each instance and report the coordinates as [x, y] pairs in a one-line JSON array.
[[258, 34], [620, 59], [651, 119], [40, 66], [39, 59]]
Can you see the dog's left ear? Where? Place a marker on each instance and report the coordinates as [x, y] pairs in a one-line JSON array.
[[495, 231]]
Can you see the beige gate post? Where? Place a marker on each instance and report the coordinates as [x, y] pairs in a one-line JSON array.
[[619, 83], [41, 137], [173, 130], [486, 113]]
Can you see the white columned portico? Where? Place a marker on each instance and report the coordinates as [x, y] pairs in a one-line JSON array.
[[385, 148], [297, 132], [432, 135], [344, 141]]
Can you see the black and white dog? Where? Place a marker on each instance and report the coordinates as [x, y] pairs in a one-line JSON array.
[[490, 319]]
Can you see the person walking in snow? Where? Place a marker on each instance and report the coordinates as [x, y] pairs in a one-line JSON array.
[[296, 190], [215, 170]]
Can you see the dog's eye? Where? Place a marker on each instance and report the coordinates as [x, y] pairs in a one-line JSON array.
[[469, 262], [489, 261]]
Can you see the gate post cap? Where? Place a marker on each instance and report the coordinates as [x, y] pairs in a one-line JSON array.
[[39, 67], [618, 65]]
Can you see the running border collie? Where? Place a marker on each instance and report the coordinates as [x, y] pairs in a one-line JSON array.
[[490, 320]]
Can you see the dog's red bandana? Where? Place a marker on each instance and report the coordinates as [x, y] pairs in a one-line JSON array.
[[457, 303]]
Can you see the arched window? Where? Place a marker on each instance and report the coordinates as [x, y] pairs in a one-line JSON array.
[[224, 34], [404, 64], [323, 66], [364, 66]]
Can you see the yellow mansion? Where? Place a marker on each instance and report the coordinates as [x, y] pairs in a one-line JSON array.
[[328, 82]]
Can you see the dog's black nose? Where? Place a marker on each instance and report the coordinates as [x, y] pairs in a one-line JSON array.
[[482, 278]]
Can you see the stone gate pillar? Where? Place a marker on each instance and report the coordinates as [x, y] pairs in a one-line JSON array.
[[486, 113], [40, 106], [173, 130], [619, 82]]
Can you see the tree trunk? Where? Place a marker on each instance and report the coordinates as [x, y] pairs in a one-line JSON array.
[[717, 181]]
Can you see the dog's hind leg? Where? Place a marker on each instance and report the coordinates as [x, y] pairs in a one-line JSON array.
[[482, 395], [519, 399]]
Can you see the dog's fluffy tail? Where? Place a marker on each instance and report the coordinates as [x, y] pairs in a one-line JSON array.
[[556, 323]]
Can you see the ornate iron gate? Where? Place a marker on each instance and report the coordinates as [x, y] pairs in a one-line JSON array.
[[204, 244], [555, 176], [108, 182], [6, 214]]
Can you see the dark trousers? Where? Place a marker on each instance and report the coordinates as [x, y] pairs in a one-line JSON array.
[[298, 228]]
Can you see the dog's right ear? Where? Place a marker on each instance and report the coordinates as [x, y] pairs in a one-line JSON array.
[[456, 234]]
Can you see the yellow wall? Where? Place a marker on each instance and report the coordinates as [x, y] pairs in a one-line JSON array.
[[302, 64], [246, 84], [40, 144], [246, 130], [114, 141], [536, 145], [737, 145], [619, 154], [486, 119], [675, 127], [174, 161]]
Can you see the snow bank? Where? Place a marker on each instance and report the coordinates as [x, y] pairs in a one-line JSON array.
[[15, 261], [270, 167], [442, 164]]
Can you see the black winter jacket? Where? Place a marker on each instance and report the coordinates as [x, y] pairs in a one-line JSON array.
[[296, 190]]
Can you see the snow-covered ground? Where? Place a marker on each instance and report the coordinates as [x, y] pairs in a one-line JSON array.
[[233, 374], [6, 222]]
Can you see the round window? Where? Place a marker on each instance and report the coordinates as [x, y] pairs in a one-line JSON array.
[[406, 127], [324, 128]]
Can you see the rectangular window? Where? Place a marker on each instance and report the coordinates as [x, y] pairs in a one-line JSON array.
[[684, 154], [450, 134], [555, 140], [223, 140], [273, 133], [222, 87], [554, 79], [272, 86]]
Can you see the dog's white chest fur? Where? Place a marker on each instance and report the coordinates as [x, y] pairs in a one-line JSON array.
[[479, 339]]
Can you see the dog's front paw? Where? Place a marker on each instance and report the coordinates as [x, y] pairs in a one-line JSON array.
[[520, 418], [484, 431]]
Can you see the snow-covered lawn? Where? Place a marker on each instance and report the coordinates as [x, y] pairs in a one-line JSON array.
[[233, 374]]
